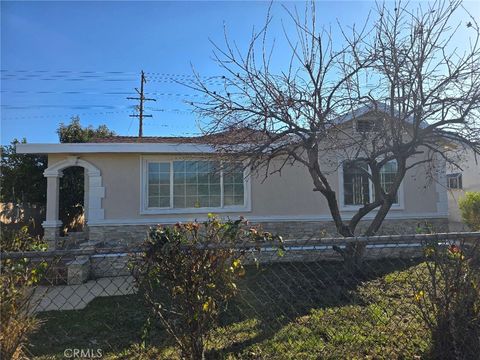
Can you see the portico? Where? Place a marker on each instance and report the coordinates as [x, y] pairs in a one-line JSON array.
[[94, 193]]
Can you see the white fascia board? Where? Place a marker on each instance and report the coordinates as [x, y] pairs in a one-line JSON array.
[[88, 148]]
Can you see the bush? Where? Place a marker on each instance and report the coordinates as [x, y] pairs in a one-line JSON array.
[[16, 279], [470, 209], [188, 273], [449, 299]]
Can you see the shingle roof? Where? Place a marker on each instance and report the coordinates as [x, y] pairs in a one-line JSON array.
[[234, 136], [148, 139]]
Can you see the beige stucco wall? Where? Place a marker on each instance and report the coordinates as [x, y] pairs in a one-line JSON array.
[[281, 197], [471, 182]]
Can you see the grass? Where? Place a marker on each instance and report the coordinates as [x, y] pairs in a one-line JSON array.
[[283, 311]]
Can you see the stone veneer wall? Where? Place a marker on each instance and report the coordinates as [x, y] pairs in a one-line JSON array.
[[126, 235], [52, 237]]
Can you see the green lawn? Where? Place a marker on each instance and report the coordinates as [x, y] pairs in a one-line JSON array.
[[283, 311]]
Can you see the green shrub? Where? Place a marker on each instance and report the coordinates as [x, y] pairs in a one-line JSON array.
[[188, 273], [470, 210], [17, 276], [447, 295]]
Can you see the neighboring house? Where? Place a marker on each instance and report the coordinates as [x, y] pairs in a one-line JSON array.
[[132, 183], [460, 181]]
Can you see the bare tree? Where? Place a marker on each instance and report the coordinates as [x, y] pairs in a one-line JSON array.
[[415, 92]]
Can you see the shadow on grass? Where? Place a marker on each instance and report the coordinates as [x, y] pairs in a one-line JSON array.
[[277, 294], [112, 324], [270, 297]]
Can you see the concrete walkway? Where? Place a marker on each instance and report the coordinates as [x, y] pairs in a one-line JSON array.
[[76, 297]]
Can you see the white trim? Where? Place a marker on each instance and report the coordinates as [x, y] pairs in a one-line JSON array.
[[273, 218], [441, 185], [55, 170], [459, 181], [171, 187], [88, 148], [51, 223], [341, 196], [201, 210], [95, 192], [222, 190], [144, 210], [144, 187]]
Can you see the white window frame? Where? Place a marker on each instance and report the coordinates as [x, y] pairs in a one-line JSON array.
[[455, 176], [145, 210], [341, 196]]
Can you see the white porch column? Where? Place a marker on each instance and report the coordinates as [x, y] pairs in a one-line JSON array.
[[86, 191], [52, 223]]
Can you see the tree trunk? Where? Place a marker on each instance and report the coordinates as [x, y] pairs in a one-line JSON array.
[[353, 252], [197, 349], [379, 218], [353, 257]]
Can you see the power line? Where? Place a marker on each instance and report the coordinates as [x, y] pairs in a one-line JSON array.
[[25, 75], [103, 79], [178, 111], [113, 108], [64, 78], [89, 72], [37, 73], [77, 92], [141, 99], [64, 115], [112, 93], [69, 106], [68, 72]]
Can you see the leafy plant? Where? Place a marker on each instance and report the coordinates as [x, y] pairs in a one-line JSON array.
[[16, 280], [424, 227], [21, 176], [470, 209], [74, 132], [188, 274], [24, 188], [448, 298]]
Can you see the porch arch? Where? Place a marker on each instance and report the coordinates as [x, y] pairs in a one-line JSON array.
[[94, 193]]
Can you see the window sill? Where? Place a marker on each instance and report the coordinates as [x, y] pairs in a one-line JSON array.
[[357, 207], [230, 209]]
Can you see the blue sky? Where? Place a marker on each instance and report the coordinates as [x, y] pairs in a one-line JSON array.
[[66, 58]]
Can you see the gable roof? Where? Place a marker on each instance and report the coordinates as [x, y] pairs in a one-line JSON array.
[[379, 107]]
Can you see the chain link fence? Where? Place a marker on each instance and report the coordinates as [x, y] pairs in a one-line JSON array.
[[294, 300]]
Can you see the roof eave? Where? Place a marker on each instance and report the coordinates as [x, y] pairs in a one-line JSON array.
[[90, 148]]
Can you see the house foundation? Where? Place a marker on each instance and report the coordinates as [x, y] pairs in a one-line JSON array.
[[130, 235]]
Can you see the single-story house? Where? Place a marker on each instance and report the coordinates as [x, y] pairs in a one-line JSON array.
[[133, 183]]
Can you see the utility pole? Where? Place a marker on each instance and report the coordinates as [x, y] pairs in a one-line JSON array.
[[141, 99]]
